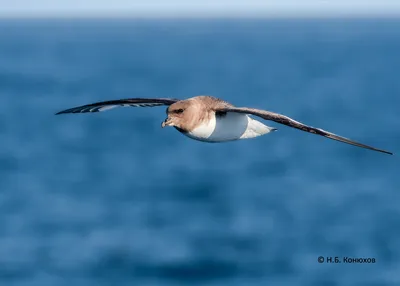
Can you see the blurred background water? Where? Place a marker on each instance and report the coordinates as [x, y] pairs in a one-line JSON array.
[[113, 199]]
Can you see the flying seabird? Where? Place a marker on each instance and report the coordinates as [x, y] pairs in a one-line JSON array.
[[210, 119]]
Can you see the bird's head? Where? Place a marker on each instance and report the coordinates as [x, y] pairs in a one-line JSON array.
[[178, 115]]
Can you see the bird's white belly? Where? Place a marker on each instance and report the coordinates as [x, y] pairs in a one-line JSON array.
[[232, 126]]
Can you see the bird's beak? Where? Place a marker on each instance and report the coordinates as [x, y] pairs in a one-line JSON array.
[[166, 122]]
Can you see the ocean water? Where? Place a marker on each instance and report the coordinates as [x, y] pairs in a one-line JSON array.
[[112, 199]]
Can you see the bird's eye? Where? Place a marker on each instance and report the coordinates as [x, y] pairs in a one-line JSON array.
[[179, 111]]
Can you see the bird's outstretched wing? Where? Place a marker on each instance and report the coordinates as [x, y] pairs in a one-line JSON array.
[[282, 119], [132, 102]]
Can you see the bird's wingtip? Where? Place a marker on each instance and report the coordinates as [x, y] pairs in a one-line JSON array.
[[64, 111], [386, 152]]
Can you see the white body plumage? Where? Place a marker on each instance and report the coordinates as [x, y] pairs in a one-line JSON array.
[[229, 127]]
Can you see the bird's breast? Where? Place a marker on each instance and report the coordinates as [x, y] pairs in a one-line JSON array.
[[228, 127]]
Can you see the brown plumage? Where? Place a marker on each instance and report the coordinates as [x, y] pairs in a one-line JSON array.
[[188, 114]]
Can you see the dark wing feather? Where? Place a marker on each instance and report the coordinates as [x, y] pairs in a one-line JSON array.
[[132, 102], [282, 119]]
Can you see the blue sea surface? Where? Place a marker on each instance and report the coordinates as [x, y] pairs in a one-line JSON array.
[[112, 199]]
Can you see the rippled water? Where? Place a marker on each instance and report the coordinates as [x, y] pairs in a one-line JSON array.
[[113, 199]]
